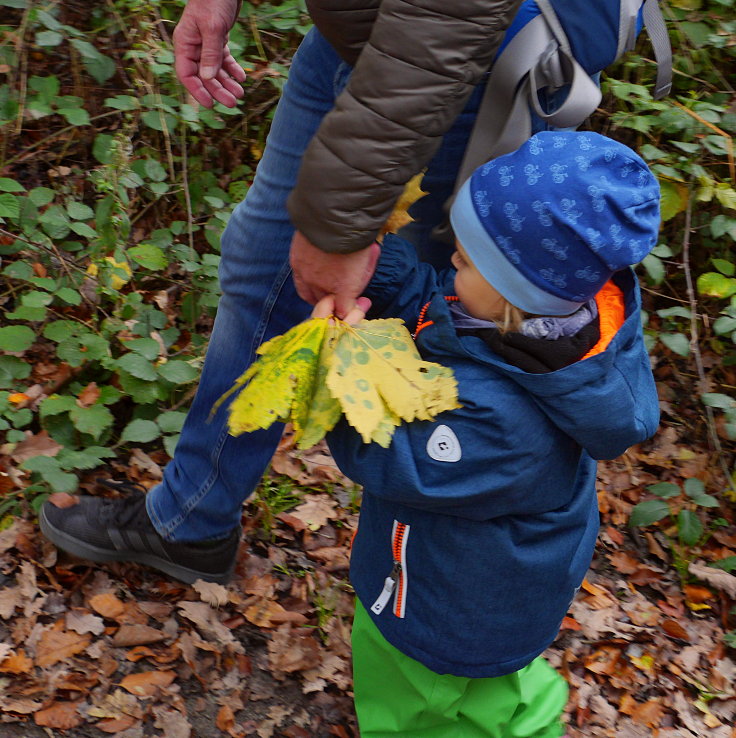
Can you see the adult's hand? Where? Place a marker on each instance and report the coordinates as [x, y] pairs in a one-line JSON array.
[[325, 308], [203, 61], [318, 273]]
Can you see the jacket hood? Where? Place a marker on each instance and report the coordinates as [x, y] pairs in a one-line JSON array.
[[606, 402]]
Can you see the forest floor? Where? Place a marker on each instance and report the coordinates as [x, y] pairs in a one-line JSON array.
[[88, 651]]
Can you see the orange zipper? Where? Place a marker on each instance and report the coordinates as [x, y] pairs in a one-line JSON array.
[[421, 324], [399, 553], [396, 582]]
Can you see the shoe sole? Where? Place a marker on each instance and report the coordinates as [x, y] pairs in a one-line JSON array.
[[84, 550]]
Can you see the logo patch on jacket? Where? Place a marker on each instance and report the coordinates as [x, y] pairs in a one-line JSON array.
[[443, 445]]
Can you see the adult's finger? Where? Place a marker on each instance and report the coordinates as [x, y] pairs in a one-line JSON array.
[[357, 313], [325, 308]]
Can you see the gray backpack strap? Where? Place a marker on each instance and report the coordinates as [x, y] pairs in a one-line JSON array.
[[538, 57], [657, 30]]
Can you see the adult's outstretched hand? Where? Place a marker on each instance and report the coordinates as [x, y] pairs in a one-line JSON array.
[[203, 61], [318, 273]]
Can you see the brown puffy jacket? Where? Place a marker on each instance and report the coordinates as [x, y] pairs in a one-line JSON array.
[[415, 65]]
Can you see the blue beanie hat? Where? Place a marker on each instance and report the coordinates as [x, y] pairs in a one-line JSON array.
[[548, 224]]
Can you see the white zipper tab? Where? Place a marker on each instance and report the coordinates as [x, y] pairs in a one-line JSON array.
[[388, 588]]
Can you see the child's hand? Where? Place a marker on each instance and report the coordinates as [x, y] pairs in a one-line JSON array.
[[325, 308]]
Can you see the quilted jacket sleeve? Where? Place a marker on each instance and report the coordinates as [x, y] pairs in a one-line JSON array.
[[412, 79]]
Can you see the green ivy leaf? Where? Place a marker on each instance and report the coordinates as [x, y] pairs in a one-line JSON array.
[[148, 256], [102, 148], [694, 487], [9, 206], [713, 284], [146, 347], [48, 38], [719, 400], [10, 185], [79, 211], [664, 490], [654, 267], [170, 444], [141, 392], [673, 198], [88, 458], [725, 267], [689, 527], [68, 295], [171, 421], [75, 116], [11, 369], [82, 229], [140, 431], [648, 512], [137, 366], [92, 420], [675, 312], [178, 372], [41, 196], [122, 102], [727, 564], [59, 330], [676, 342], [16, 338], [99, 66], [56, 404], [719, 227]]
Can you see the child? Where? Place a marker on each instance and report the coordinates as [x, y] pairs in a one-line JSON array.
[[477, 529]]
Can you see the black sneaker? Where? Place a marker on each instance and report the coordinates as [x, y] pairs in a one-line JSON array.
[[102, 529]]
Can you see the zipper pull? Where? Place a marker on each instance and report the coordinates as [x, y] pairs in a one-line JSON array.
[[389, 585]]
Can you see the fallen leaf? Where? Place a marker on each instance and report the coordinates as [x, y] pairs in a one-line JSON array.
[[56, 644], [17, 663], [569, 623], [84, 622], [40, 444], [264, 612], [61, 715], [107, 605], [21, 707], [624, 562], [717, 578], [648, 713], [172, 722], [116, 725], [147, 683], [603, 661], [675, 630], [145, 463], [89, 395], [63, 499], [315, 511], [698, 594], [10, 598], [225, 720], [211, 593], [136, 635], [290, 651]]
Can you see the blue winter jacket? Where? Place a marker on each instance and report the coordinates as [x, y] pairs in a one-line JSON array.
[[476, 529]]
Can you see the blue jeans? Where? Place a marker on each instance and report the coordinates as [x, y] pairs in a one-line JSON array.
[[212, 472]]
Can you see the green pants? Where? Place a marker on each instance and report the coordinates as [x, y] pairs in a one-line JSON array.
[[397, 696]]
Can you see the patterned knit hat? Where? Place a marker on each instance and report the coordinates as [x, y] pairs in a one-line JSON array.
[[548, 224]]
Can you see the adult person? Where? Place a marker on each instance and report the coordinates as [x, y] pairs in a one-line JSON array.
[[378, 90]]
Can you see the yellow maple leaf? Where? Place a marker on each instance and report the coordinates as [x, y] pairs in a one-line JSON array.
[[400, 215], [323, 368], [281, 379], [379, 378]]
